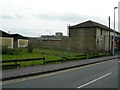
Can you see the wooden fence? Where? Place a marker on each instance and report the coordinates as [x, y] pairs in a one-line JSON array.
[[16, 62], [16, 65]]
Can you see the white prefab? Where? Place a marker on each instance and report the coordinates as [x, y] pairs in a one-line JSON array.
[[6, 41], [22, 43], [12, 40]]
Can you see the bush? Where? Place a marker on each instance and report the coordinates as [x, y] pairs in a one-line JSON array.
[[4, 50], [18, 50], [9, 51], [29, 48]]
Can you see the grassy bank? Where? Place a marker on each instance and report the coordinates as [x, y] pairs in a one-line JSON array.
[[49, 55], [38, 53]]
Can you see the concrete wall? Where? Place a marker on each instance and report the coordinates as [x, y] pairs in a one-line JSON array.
[[82, 39], [36, 43], [50, 44], [65, 43], [102, 40]]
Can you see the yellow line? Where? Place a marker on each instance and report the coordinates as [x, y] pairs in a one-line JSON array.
[[46, 75]]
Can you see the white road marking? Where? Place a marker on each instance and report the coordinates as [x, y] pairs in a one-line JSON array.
[[50, 74], [94, 80]]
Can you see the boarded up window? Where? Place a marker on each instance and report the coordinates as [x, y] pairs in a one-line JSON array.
[[22, 43], [8, 42]]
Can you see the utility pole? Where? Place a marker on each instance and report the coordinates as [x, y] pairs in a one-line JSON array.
[[114, 31], [109, 34], [68, 25], [69, 43]]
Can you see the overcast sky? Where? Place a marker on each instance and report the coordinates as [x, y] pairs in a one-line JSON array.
[[41, 17]]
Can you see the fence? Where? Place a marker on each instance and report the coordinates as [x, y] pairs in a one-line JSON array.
[[16, 62], [77, 58], [44, 61]]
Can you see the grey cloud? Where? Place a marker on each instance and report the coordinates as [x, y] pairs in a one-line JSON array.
[[11, 16], [69, 17], [73, 18], [6, 17], [19, 16], [63, 17]]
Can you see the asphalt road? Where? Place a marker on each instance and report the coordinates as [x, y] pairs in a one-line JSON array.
[[100, 75]]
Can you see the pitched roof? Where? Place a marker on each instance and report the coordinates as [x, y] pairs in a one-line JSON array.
[[18, 36], [4, 34], [88, 24]]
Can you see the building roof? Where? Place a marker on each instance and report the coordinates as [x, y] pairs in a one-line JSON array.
[[89, 24], [18, 36], [4, 34]]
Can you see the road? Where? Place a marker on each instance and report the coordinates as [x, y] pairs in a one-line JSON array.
[[100, 75]]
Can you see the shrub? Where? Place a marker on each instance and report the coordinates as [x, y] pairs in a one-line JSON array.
[[29, 48], [9, 51], [18, 50], [4, 50]]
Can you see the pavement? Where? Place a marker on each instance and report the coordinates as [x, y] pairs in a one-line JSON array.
[[42, 69], [100, 75]]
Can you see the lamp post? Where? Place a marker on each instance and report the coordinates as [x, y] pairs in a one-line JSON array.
[[109, 34], [114, 31]]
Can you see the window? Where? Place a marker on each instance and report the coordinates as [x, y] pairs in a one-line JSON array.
[[97, 41], [107, 32], [101, 32]]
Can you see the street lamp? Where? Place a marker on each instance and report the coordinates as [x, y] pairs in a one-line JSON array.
[[114, 31]]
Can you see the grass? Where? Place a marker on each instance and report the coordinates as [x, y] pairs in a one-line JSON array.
[[49, 55], [39, 53]]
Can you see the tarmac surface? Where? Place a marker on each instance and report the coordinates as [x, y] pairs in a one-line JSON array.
[[98, 75], [42, 69]]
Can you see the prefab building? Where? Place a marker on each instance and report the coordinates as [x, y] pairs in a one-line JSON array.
[[19, 40], [12, 40], [6, 40]]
